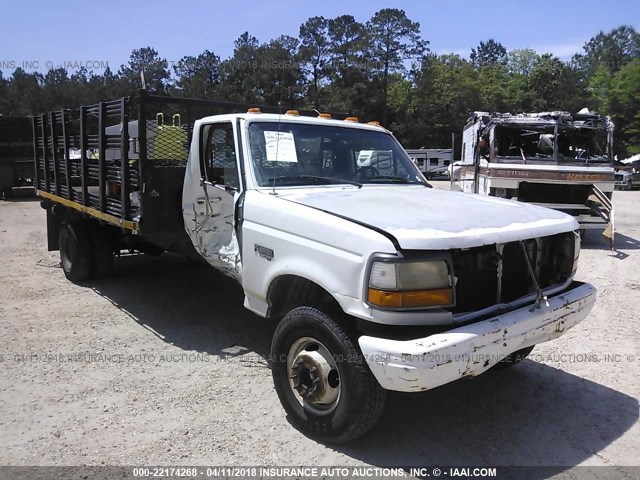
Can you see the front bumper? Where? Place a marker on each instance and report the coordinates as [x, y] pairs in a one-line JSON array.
[[425, 363]]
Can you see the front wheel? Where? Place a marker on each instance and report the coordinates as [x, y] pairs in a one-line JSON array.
[[321, 378]]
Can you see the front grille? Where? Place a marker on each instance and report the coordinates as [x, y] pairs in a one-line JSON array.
[[618, 178], [476, 270]]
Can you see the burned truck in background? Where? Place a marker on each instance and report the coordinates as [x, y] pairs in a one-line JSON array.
[[552, 159]]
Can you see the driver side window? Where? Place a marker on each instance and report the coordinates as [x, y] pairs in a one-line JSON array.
[[219, 155]]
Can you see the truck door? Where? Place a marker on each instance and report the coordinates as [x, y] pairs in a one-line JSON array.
[[209, 205]]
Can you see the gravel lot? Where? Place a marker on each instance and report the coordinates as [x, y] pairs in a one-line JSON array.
[[160, 364]]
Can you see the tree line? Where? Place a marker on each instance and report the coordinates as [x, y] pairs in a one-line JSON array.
[[381, 69]]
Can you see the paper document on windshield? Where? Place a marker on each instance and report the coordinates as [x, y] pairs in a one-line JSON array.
[[364, 158], [280, 147]]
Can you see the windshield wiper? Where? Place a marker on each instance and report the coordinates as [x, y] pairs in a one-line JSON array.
[[313, 179], [392, 179]]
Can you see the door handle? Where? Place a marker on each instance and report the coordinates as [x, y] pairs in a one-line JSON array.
[[202, 200]]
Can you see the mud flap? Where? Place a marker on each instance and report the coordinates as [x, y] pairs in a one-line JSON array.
[[53, 231]]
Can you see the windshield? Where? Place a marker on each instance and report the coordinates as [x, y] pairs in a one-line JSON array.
[[582, 144], [293, 154], [539, 143]]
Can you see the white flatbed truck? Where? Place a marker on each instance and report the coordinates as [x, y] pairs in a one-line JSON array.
[[380, 281]]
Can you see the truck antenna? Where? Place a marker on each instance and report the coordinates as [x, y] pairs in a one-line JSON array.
[[278, 135]]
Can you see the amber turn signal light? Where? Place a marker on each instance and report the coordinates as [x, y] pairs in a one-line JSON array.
[[411, 299]]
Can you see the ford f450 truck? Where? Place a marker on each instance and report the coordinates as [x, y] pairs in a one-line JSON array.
[[380, 282]]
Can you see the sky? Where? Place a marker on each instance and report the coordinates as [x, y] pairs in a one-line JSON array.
[[38, 34]]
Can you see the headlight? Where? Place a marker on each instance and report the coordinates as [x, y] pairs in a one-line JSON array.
[[576, 253], [410, 284]]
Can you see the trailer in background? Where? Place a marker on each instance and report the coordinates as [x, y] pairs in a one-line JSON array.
[[432, 162]]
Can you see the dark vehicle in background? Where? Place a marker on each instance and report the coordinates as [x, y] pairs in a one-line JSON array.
[[16, 154], [628, 173]]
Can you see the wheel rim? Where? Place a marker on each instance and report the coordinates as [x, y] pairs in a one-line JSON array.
[[314, 377]]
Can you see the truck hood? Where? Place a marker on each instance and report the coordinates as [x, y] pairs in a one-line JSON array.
[[421, 218]]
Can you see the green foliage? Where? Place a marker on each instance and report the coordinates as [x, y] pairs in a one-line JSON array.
[[198, 77], [446, 87], [392, 39], [624, 104], [488, 53], [611, 50], [522, 61], [24, 93], [599, 88], [555, 86], [315, 53], [156, 74], [263, 74]]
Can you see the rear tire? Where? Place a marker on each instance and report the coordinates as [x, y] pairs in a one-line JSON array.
[[322, 379], [102, 244], [75, 251]]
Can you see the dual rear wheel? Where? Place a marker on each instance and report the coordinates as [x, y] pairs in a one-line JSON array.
[[86, 250]]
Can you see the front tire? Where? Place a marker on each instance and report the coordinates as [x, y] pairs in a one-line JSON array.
[[75, 251], [321, 378]]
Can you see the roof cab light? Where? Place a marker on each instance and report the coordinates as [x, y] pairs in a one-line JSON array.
[[254, 110], [295, 113], [324, 115], [351, 119]]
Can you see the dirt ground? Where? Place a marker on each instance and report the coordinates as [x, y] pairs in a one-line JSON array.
[[159, 364]]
